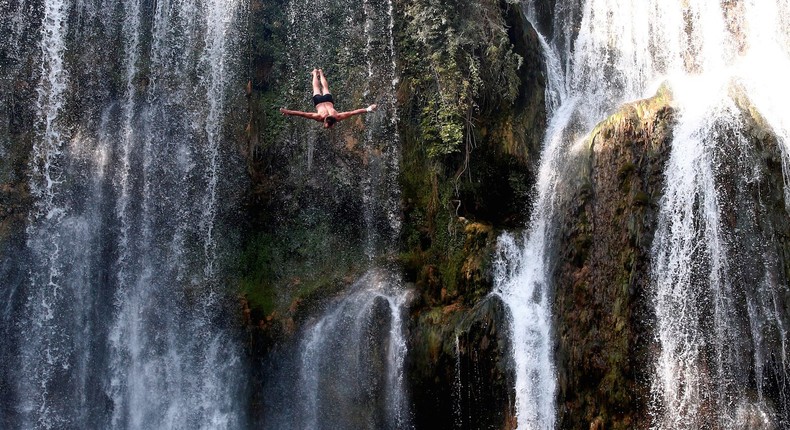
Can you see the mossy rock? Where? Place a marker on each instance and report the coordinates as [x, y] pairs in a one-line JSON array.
[[459, 362], [601, 303]]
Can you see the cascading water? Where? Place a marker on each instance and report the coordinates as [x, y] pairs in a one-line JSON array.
[[348, 366], [579, 94], [113, 317], [720, 290], [352, 359], [715, 334], [120, 321], [458, 409]]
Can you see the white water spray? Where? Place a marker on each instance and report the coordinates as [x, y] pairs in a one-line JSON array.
[[203, 396], [351, 369], [712, 330], [121, 327], [43, 231], [458, 411], [578, 96], [612, 52], [717, 328]]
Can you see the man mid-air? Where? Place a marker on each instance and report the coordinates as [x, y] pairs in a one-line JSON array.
[[324, 105]]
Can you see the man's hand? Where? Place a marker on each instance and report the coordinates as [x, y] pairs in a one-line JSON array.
[[282, 111], [371, 108]]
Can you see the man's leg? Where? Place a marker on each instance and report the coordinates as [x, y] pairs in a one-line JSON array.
[[324, 83], [316, 86]]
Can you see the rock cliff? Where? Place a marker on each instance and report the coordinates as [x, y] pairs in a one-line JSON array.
[[602, 292]]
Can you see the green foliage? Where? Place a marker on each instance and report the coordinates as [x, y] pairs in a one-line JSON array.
[[458, 64], [258, 264], [267, 50], [472, 63], [279, 268], [269, 103], [442, 128]]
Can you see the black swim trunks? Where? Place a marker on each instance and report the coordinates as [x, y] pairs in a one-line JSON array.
[[322, 99]]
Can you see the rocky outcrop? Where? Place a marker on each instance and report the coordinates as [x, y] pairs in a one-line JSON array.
[[17, 115], [751, 176], [482, 178], [602, 286], [459, 373], [603, 306]]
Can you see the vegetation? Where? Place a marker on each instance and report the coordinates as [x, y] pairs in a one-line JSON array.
[[295, 266], [467, 100], [470, 63]]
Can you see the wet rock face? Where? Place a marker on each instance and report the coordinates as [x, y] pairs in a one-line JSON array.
[[751, 190], [456, 199], [18, 70], [471, 122], [602, 280], [458, 371], [18, 76], [482, 76], [456, 202], [305, 210]]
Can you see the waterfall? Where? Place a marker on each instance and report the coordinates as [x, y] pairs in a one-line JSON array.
[[49, 340], [579, 94], [719, 284], [123, 321], [721, 328], [347, 370], [352, 360], [458, 410]]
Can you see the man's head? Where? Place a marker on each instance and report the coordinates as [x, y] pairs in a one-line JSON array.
[[329, 122]]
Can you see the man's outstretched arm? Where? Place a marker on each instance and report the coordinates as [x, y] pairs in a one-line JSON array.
[[344, 115], [308, 115]]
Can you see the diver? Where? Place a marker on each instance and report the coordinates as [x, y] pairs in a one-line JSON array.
[[324, 104]]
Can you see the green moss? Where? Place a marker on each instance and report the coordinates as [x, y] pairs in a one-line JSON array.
[[300, 264], [268, 49], [641, 198], [463, 137], [269, 103], [625, 170], [451, 270], [471, 63], [259, 259]]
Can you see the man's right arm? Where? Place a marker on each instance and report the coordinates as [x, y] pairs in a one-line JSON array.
[[309, 115]]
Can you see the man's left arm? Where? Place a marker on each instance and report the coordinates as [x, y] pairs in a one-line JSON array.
[[344, 115]]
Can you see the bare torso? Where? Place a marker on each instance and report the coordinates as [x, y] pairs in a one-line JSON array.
[[326, 109]]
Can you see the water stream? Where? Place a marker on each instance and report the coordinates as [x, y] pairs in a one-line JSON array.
[[352, 359], [588, 77], [123, 321], [720, 288]]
